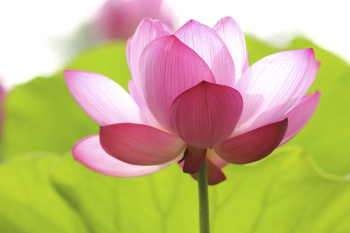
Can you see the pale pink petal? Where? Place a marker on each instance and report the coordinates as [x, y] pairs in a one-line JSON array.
[[168, 68], [135, 95], [128, 56], [272, 86], [101, 98], [149, 118], [311, 76], [147, 31], [230, 32], [300, 114], [209, 46], [246, 64], [254, 145], [137, 99], [216, 159], [140, 144], [206, 114], [89, 152]]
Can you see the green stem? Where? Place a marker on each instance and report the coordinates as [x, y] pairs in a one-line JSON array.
[[203, 199]]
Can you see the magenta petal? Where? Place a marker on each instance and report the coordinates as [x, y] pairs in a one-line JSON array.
[[206, 114], [101, 98], [230, 32], [209, 46], [254, 145], [89, 152], [300, 114], [140, 144], [168, 68], [271, 86]]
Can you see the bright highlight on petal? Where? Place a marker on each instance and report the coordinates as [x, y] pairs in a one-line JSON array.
[[140, 144], [230, 32], [273, 85], [89, 152], [101, 98], [206, 114], [209, 46], [147, 31], [254, 145]]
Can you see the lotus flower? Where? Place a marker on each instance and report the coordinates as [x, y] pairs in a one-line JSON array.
[[193, 97], [119, 18]]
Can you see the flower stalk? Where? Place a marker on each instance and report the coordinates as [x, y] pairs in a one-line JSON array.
[[203, 199]]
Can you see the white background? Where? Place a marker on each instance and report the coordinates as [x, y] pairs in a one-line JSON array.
[[31, 31]]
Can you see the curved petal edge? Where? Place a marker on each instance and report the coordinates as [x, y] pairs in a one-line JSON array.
[[206, 114], [300, 114], [89, 152], [254, 145], [104, 100]]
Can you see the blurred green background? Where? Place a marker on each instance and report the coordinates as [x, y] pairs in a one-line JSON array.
[[302, 187]]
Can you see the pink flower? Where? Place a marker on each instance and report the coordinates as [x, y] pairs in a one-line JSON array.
[[119, 18], [193, 97]]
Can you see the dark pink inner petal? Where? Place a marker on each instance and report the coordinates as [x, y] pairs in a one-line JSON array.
[[206, 114], [194, 159], [140, 144], [254, 145], [214, 174]]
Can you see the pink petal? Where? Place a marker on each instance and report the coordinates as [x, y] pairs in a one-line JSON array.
[[254, 145], [230, 32], [246, 64], [300, 114], [146, 115], [206, 114], [128, 55], [147, 31], [272, 86], [216, 159], [140, 144], [209, 46], [89, 152], [168, 68], [214, 174], [101, 98]]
